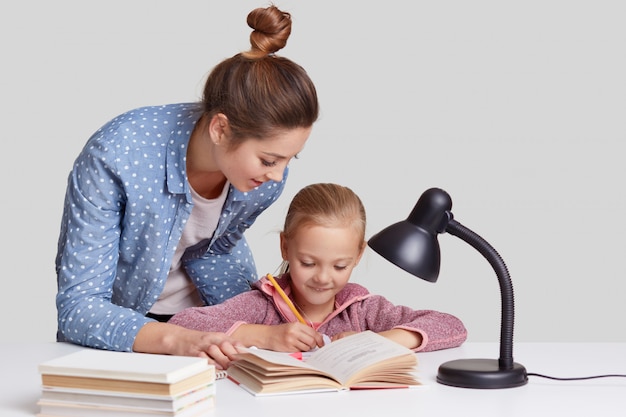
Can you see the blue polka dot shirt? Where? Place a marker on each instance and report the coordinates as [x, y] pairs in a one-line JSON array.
[[126, 204]]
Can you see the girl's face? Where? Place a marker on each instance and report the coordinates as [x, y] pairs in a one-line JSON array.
[[321, 260], [256, 161]]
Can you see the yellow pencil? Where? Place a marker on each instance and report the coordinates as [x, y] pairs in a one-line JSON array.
[[287, 300]]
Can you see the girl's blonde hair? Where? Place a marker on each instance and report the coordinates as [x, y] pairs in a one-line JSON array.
[[325, 204]]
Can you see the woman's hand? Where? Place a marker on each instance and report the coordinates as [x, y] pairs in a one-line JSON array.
[[170, 339], [219, 354]]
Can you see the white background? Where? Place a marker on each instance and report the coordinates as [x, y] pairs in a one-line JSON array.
[[517, 109]]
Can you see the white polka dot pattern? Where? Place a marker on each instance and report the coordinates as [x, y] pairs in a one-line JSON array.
[[126, 205]]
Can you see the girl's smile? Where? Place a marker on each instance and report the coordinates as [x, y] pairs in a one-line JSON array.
[[321, 260]]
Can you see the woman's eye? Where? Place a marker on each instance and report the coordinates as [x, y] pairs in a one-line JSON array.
[[268, 163]]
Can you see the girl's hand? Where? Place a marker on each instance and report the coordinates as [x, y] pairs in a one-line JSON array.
[[286, 337], [409, 339], [293, 337], [342, 335]]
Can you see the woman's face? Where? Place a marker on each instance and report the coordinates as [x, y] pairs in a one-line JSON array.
[[321, 260], [254, 162]]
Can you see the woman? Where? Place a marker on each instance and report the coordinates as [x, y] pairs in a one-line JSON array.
[[159, 198]]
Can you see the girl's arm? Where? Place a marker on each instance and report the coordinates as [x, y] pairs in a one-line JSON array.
[[437, 330], [250, 319]]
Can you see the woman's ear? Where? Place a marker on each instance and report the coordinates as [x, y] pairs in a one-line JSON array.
[[219, 128]]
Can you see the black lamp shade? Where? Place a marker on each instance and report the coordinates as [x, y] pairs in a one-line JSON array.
[[412, 244], [409, 247]]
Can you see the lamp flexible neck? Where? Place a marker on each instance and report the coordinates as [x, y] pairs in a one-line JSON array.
[[506, 287]]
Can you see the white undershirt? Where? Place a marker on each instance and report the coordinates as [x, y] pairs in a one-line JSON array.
[[179, 292]]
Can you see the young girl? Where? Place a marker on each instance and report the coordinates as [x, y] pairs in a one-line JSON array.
[[322, 241], [158, 201]]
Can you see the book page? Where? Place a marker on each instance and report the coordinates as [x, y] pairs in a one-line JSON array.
[[285, 360], [353, 355]]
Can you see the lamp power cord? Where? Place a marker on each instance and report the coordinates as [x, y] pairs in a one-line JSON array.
[[576, 378]]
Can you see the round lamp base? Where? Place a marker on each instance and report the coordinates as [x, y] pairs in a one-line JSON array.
[[481, 373]]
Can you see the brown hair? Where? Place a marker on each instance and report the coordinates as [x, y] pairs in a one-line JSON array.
[[258, 91], [325, 204]]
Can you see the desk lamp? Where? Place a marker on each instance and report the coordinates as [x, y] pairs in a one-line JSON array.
[[412, 245]]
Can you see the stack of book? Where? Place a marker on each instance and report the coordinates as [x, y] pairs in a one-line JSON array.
[[99, 383]]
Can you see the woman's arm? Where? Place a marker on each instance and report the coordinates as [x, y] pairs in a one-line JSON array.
[[88, 256]]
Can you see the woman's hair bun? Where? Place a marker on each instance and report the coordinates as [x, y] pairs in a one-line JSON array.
[[272, 28]]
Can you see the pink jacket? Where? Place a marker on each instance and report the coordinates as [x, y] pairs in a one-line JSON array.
[[355, 310]]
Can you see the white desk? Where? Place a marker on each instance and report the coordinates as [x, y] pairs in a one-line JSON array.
[[540, 397]]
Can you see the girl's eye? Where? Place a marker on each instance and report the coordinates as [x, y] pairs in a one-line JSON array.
[[268, 163], [306, 264], [340, 267]]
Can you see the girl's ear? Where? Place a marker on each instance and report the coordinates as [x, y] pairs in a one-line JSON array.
[[361, 252], [219, 128], [283, 246]]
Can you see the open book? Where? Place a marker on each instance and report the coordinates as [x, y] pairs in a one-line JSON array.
[[364, 360]]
